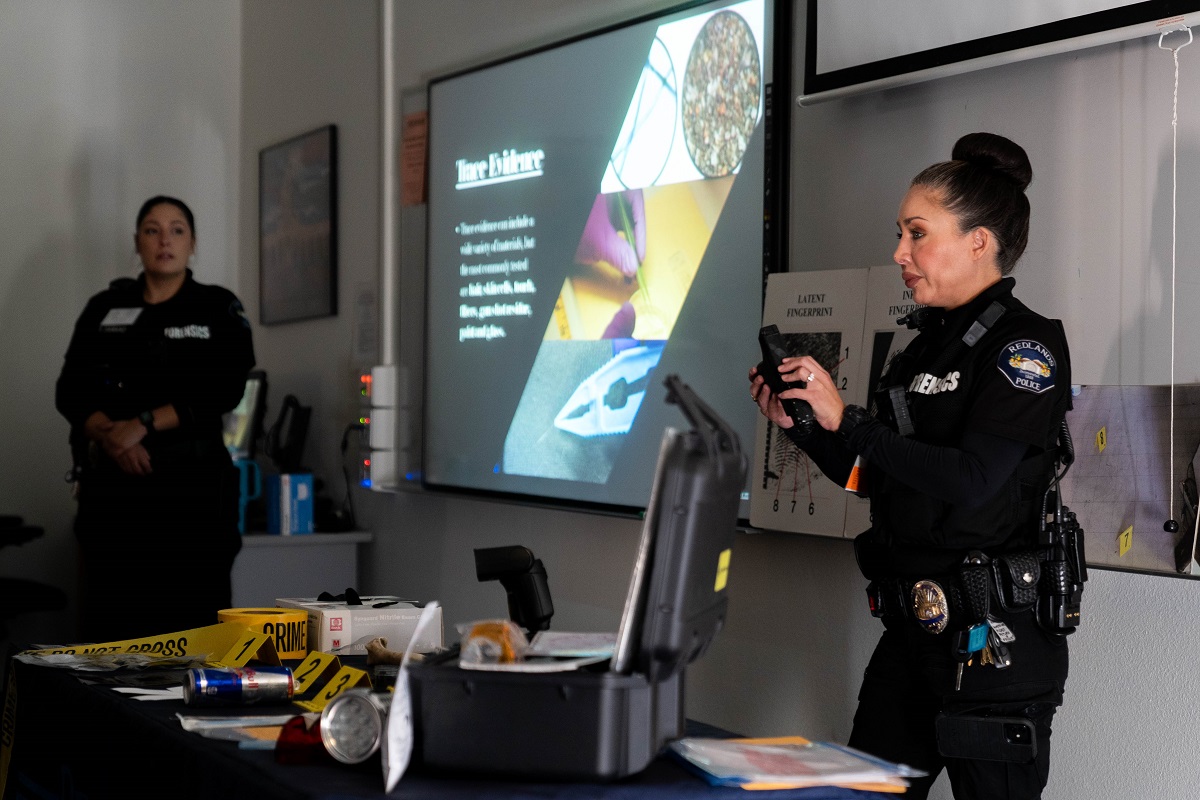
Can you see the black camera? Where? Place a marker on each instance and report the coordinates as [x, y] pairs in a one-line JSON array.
[[770, 340]]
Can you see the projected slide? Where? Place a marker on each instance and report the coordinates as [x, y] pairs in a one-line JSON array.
[[595, 222]]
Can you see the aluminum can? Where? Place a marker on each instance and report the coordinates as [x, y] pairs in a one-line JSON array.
[[210, 686]]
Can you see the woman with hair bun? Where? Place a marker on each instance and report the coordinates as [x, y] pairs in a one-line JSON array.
[[957, 453]]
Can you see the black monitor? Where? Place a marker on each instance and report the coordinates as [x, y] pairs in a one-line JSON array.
[[243, 425]]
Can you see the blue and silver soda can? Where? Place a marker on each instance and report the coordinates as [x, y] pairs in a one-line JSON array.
[[237, 686]]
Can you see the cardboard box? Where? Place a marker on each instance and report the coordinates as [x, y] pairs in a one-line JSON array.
[[290, 504], [335, 627]]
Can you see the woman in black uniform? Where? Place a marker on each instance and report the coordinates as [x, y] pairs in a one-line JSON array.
[[955, 487], [153, 364]]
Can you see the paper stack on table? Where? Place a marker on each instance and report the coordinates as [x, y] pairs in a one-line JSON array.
[[788, 762]]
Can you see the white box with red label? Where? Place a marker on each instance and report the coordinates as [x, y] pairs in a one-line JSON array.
[[335, 626]]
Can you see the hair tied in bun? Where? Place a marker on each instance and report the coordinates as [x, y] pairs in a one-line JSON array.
[[993, 152]]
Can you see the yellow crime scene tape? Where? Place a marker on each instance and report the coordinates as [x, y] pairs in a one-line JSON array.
[[222, 644], [219, 644], [288, 627]]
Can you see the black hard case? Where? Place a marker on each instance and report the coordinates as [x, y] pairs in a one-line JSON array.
[[567, 725], [604, 724]]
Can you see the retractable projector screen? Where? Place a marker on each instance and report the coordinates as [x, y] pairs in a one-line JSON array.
[[866, 45]]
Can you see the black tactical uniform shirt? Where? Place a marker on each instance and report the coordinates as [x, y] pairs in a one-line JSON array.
[[1012, 387], [126, 356]]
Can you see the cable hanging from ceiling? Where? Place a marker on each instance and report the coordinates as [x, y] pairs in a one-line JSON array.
[[1171, 525]]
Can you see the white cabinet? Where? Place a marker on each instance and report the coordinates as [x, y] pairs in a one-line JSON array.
[[302, 565]]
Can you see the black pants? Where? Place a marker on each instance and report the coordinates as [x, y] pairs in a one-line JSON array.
[[156, 551], [910, 679]]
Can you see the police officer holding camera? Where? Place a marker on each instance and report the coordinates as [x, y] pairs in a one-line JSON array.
[[958, 452]]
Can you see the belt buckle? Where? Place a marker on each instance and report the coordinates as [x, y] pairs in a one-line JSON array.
[[930, 607]]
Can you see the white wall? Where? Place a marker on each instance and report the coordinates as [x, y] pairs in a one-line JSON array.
[[1097, 126], [105, 103], [306, 64]]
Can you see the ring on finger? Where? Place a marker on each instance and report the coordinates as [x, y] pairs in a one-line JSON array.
[[810, 377]]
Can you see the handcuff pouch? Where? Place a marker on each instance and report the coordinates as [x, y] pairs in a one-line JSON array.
[[974, 592], [1017, 576]]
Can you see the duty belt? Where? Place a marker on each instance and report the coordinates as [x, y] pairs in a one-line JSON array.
[[956, 601]]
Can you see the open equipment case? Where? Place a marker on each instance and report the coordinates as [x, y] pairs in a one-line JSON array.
[[609, 720]]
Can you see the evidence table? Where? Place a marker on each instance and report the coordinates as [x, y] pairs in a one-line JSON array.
[[76, 740]]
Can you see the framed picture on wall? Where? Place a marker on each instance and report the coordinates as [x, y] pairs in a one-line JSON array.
[[297, 201]]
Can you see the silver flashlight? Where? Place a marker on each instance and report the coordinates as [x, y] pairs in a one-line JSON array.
[[354, 723]]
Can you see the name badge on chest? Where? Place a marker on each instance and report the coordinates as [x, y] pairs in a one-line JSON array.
[[120, 317]]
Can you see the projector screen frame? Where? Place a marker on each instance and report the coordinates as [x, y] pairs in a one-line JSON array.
[[1123, 23], [775, 133]]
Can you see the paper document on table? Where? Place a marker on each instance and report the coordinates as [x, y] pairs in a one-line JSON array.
[[569, 644], [258, 732], [199, 724], [788, 762]]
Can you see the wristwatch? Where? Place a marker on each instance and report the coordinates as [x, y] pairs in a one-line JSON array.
[[852, 417], [147, 419]]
